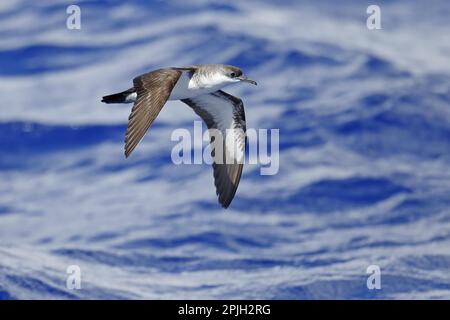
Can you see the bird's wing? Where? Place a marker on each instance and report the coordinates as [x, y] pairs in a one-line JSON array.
[[225, 113], [153, 89]]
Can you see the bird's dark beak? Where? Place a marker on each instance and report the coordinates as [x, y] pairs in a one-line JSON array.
[[245, 79]]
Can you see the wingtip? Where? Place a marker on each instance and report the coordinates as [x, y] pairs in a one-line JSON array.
[[225, 203]]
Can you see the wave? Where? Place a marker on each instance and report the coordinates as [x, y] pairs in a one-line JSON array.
[[364, 153]]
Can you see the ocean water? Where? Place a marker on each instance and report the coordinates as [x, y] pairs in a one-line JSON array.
[[363, 178]]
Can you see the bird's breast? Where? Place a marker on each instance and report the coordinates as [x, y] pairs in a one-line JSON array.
[[189, 87]]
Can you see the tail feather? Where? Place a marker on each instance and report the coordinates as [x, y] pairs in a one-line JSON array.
[[121, 97]]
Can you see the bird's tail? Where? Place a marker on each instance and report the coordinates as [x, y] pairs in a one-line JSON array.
[[121, 97]]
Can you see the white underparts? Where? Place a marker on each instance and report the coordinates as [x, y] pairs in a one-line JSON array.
[[131, 97], [183, 88], [187, 87]]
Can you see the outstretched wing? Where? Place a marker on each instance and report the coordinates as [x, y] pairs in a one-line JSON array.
[[153, 89], [225, 113]]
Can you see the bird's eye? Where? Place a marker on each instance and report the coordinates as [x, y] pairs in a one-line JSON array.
[[232, 75]]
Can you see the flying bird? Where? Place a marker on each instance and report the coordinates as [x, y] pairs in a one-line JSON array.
[[198, 86]]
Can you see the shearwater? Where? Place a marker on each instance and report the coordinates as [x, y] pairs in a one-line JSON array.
[[198, 86]]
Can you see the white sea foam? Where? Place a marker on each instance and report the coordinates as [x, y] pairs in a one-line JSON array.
[[122, 221]]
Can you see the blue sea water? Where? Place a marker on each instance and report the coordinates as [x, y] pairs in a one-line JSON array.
[[364, 178]]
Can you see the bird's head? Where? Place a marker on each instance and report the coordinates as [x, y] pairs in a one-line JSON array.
[[217, 76], [233, 74], [220, 75]]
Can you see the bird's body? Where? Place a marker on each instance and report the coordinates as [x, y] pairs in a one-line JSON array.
[[191, 84], [199, 87]]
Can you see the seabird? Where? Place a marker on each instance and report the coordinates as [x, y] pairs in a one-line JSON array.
[[198, 86]]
